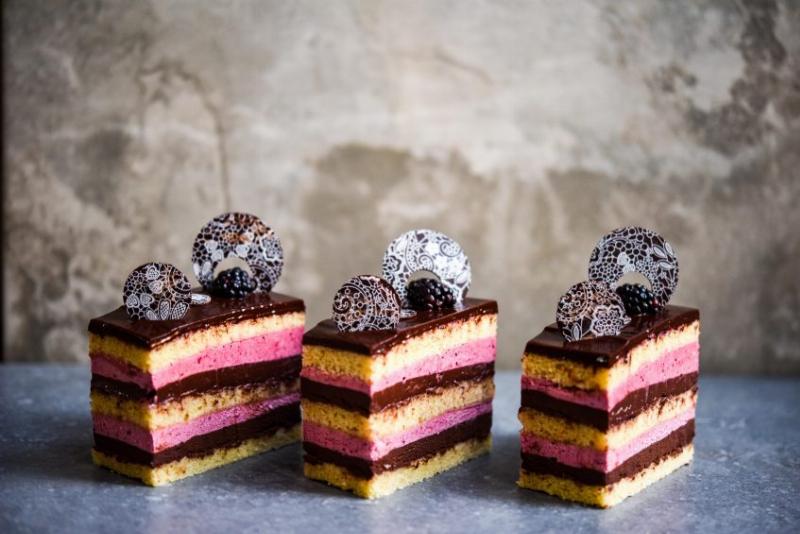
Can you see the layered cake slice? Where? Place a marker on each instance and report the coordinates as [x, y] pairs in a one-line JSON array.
[[388, 402], [182, 383], [609, 392], [603, 418]]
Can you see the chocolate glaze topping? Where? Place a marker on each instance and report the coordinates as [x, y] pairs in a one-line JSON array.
[[415, 451], [363, 403], [668, 446], [375, 342], [273, 372], [633, 404], [149, 334], [606, 350], [264, 425]]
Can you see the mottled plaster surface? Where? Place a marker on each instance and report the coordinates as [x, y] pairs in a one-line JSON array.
[[524, 129]]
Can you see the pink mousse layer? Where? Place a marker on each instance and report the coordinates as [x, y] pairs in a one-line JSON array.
[[470, 353], [675, 363], [266, 347], [605, 461], [163, 438], [373, 450]]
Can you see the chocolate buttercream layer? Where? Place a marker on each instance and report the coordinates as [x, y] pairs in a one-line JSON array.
[[605, 351], [376, 342], [274, 372], [367, 404], [422, 449], [633, 404], [677, 440], [150, 334], [264, 425]]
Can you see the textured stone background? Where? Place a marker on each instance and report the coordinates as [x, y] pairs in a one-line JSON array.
[[524, 129]]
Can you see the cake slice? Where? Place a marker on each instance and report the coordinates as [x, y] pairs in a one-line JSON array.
[[604, 417], [174, 398], [398, 386], [184, 381], [385, 409]]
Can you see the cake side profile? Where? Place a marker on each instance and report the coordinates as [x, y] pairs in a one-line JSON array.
[[386, 409], [609, 391], [175, 398], [187, 380], [398, 385], [603, 418]]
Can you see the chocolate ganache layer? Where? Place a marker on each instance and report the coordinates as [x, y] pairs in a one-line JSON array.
[[363, 403], [376, 342], [150, 334], [633, 404], [264, 425], [677, 440], [275, 372], [422, 449], [605, 351]]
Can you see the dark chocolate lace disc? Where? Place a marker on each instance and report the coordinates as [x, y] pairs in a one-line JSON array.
[[634, 249], [243, 236], [590, 308], [366, 302], [427, 250], [157, 292]]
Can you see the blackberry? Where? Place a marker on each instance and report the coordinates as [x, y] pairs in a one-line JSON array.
[[234, 283], [429, 294], [638, 300]]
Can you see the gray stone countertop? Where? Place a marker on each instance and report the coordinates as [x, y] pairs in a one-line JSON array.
[[745, 477]]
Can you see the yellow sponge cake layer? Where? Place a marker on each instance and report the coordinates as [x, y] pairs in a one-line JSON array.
[[572, 374], [563, 431], [390, 481], [609, 495], [185, 408], [412, 351], [189, 466], [399, 418]]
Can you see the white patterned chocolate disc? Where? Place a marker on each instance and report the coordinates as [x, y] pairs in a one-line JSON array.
[[590, 308], [634, 249], [239, 235], [366, 302], [157, 292], [427, 250]]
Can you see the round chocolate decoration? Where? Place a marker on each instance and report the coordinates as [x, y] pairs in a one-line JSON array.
[[590, 308], [243, 236], [427, 250], [634, 249], [366, 302], [157, 292]]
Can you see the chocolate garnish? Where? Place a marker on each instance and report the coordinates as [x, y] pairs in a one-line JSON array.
[[427, 250], [239, 235], [157, 292], [590, 308], [635, 249], [366, 302]]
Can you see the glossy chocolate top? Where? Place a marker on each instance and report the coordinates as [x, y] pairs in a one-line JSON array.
[[606, 350], [149, 334], [376, 342]]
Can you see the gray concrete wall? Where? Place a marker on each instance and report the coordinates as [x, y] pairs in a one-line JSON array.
[[524, 129]]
